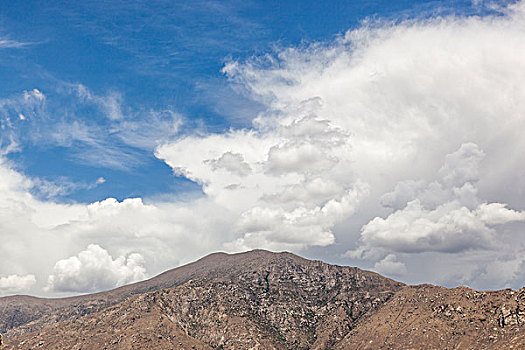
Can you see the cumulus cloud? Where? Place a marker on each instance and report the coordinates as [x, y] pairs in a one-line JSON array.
[[408, 95], [411, 131], [37, 233], [94, 269], [389, 266], [369, 108], [233, 162], [297, 228], [445, 216], [16, 284], [286, 183]]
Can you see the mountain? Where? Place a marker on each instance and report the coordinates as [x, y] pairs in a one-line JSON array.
[[256, 297], [431, 317], [264, 300]]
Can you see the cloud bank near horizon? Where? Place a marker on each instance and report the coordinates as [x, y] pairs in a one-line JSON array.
[[410, 132]]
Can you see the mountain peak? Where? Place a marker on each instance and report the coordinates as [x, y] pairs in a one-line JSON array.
[[262, 299], [272, 278]]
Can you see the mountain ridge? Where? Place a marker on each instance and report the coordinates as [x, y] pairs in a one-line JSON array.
[[261, 299]]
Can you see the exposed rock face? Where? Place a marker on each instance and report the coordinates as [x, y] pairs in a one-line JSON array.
[[281, 304], [263, 300]]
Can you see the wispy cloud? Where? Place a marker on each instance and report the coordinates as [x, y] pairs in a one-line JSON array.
[[7, 42], [60, 187], [182, 31], [96, 129], [10, 44]]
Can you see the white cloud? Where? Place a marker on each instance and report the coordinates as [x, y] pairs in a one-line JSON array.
[[403, 192], [286, 183], [444, 216], [100, 181], [61, 186], [389, 266], [34, 94], [110, 135], [16, 284], [462, 166], [498, 214], [371, 108], [164, 234], [356, 133], [6, 43], [232, 162], [16, 111], [148, 129], [409, 94], [94, 269], [297, 228], [142, 129]]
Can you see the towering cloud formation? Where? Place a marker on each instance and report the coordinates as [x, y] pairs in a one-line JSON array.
[[284, 184], [418, 123], [396, 145]]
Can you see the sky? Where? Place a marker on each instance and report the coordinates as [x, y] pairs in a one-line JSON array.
[[138, 136]]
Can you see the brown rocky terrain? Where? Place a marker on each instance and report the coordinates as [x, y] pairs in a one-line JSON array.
[[19, 314], [263, 300], [432, 317], [251, 299]]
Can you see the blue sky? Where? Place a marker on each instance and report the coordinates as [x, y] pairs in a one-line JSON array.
[[161, 55], [136, 136]]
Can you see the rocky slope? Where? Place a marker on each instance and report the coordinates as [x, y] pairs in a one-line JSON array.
[[263, 300], [433, 317], [19, 314], [232, 301]]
